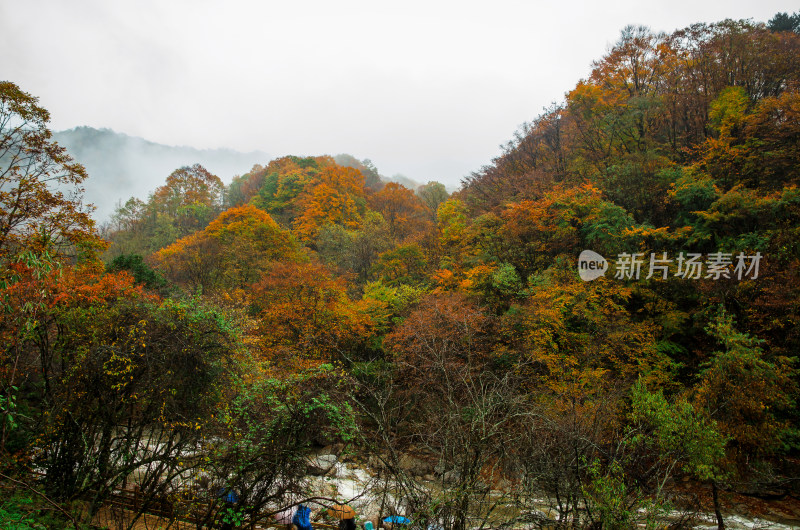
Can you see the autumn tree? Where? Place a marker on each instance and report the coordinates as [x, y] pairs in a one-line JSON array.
[[372, 179], [405, 213], [355, 251], [335, 196], [461, 410], [40, 194], [404, 264], [753, 145], [231, 251], [305, 316], [532, 234], [191, 195], [267, 433], [117, 385]]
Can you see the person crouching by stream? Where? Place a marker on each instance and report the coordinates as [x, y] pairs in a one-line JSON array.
[[344, 514]]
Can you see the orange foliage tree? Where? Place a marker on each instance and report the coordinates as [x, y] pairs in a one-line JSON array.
[[189, 185], [335, 196], [231, 251], [37, 292], [275, 187], [407, 215], [305, 316]]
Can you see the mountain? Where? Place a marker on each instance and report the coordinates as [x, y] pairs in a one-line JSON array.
[[122, 166]]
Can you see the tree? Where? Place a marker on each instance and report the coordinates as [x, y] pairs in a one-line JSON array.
[[231, 251], [266, 434], [745, 391], [404, 264], [191, 196], [190, 185], [334, 196], [276, 187], [670, 435], [40, 194], [116, 385], [405, 213], [785, 22], [305, 316], [354, 251], [459, 409], [372, 179], [433, 194], [564, 221], [141, 272]]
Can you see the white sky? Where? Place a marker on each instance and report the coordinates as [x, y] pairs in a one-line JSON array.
[[426, 89]]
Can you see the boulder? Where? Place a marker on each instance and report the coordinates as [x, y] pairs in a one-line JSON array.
[[320, 464], [333, 449], [450, 477], [414, 466]]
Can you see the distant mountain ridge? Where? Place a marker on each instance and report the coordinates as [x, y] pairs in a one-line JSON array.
[[122, 166]]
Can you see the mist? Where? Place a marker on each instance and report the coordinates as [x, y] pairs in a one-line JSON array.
[[122, 166]]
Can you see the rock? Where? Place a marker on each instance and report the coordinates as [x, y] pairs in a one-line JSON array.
[[451, 476], [334, 449], [321, 464], [370, 512], [413, 465]]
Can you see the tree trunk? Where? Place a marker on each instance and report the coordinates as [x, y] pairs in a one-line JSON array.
[[715, 495]]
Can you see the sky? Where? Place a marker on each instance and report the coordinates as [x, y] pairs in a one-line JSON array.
[[427, 89]]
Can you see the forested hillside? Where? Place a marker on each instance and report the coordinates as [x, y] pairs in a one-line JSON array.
[[221, 334]]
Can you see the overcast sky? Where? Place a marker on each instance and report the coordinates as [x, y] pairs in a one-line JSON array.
[[427, 89]]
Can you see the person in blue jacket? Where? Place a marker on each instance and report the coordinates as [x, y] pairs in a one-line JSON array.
[[302, 517]]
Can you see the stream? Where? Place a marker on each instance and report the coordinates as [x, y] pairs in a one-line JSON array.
[[349, 482]]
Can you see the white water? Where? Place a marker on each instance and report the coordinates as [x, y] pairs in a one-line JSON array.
[[351, 484]]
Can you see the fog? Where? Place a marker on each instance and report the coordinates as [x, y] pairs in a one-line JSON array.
[[121, 166]]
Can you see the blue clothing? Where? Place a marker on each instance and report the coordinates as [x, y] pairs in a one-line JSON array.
[[228, 496], [397, 519], [302, 518]]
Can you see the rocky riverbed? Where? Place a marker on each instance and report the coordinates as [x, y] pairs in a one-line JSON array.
[[337, 475]]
